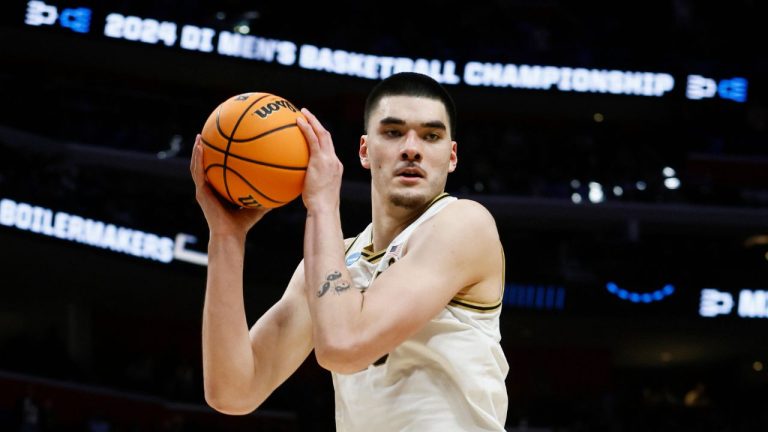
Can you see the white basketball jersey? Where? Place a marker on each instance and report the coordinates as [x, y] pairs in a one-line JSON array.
[[449, 376]]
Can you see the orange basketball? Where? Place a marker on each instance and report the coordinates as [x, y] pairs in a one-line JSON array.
[[254, 154]]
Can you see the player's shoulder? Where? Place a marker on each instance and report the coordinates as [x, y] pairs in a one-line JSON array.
[[471, 207], [466, 220], [466, 212], [463, 229]]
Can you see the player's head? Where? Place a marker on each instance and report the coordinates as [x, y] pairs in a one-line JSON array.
[[408, 145], [410, 84]]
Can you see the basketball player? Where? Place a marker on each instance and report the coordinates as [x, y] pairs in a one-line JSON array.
[[405, 315]]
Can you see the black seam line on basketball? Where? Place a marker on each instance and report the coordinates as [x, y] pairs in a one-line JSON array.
[[263, 134], [218, 125], [285, 167], [229, 142], [246, 182]]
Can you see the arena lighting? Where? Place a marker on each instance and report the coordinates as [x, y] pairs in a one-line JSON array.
[[576, 198], [751, 304], [756, 240], [634, 297], [77, 229], [596, 194], [672, 183], [549, 297], [239, 44]]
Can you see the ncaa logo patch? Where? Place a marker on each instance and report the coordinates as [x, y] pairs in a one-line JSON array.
[[353, 258]]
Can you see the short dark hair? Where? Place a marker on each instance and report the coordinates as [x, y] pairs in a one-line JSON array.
[[411, 84]]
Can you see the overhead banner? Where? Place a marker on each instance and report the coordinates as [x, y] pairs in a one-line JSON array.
[[240, 43]]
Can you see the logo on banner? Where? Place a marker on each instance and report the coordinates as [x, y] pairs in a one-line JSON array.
[[75, 19], [751, 303]]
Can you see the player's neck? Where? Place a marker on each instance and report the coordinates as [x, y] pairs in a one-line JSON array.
[[390, 220]]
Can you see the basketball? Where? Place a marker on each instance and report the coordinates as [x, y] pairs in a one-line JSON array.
[[254, 154]]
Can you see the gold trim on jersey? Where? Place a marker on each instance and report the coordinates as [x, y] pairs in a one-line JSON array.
[[503, 272], [436, 199], [352, 243], [474, 306], [463, 302], [373, 257]]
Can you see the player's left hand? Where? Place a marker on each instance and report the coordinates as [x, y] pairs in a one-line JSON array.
[[322, 184], [222, 217]]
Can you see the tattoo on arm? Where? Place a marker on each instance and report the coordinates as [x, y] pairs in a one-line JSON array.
[[339, 285], [323, 289]]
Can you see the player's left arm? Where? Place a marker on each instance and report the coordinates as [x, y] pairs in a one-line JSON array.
[[457, 250]]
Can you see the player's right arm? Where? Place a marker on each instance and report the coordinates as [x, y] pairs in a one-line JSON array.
[[242, 367]]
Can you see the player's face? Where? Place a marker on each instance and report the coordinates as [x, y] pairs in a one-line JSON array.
[[408, 149]]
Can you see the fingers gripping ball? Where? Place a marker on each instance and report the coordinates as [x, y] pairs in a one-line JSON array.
[[254, 155]]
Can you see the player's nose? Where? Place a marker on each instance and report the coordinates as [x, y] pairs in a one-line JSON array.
[[410, 150]]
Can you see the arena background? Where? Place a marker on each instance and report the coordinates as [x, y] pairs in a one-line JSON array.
[[622, 148]]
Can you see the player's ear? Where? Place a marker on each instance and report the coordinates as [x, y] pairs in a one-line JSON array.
[[454, 157], [363, 152]]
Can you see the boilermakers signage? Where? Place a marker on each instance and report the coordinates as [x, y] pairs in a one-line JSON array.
[[240, 43], [103, 235]]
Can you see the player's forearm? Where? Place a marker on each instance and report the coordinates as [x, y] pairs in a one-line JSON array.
[[228, 361], [335, 306]]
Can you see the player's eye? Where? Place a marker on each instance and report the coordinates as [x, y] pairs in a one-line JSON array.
[[432, 137], [392, 133]]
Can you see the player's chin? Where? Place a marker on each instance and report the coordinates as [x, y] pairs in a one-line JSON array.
[[409, 198]]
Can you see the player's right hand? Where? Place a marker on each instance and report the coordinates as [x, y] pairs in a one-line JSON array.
[[223, 218], [322, 183]]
